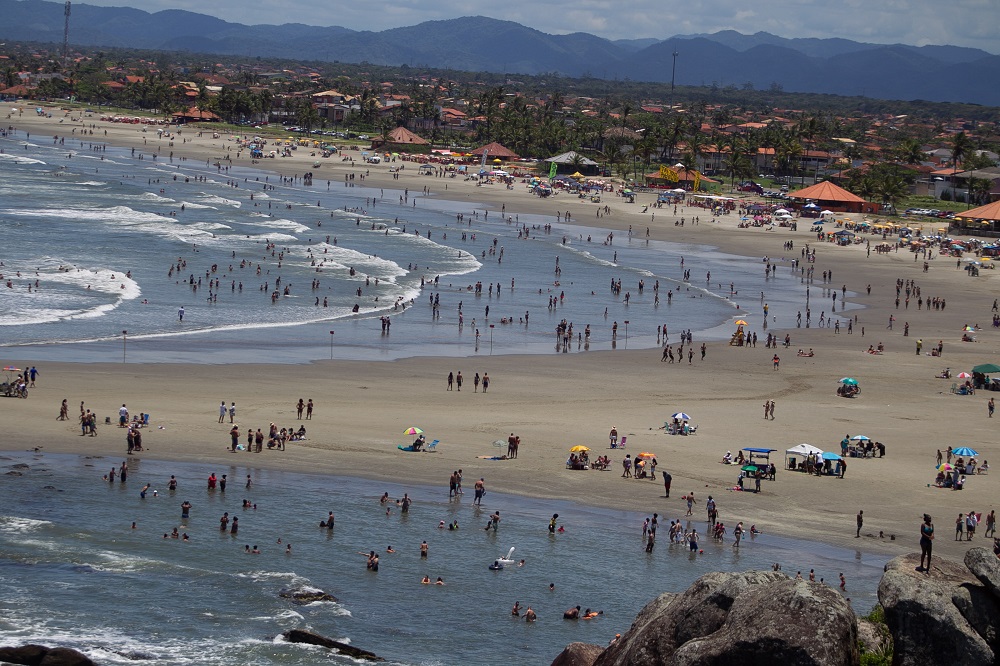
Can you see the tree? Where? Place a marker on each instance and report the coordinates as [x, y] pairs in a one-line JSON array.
[[961, 146]]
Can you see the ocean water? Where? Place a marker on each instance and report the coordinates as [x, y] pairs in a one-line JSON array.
[[91, 237], [73, 571]]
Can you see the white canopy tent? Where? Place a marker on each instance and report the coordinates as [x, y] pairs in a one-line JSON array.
[[800, 451]]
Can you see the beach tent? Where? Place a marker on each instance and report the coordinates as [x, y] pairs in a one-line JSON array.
[[800, 451]]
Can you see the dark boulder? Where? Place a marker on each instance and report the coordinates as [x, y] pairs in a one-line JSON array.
[[578, 654], [308, 637], [306, 595], [932, 616], [669, 621], [788, 622], [40, 655], [62, 656], [26, 654], [985, 566]]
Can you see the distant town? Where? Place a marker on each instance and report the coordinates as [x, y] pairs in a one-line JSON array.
[[903, 157]]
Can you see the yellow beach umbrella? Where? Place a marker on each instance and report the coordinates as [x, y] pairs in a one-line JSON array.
[[740, 322], [579, 449]]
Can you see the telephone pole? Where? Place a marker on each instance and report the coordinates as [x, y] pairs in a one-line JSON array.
[[65, 52], [673, 76]]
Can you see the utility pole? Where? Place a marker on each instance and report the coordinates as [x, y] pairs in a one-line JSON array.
[[65, 52], [673, 77]]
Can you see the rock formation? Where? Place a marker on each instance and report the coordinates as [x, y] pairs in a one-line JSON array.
[[306, 595], [942, 616], [748, 617], [39, 655], [303, 636], [948, 615]]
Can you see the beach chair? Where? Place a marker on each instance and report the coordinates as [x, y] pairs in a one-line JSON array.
[[432, 446], [954, 388], [621, 443]]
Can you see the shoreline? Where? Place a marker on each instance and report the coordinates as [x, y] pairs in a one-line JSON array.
[[555, 402]]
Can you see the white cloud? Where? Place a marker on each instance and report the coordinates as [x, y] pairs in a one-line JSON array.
[[958, 22]]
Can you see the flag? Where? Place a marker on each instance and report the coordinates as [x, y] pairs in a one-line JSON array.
[[552, 170], [697, 181]]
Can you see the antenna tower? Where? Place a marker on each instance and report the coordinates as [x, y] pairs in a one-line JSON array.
[[65, 52]]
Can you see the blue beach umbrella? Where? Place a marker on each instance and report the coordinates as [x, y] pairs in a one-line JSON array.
[[860, 438], [828, 455], [681, 416], [965, 451]]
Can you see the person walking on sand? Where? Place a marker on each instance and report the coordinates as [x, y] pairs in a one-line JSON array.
[[776, 361], [232, 411], [990, 407], [451, 381], [926, 543], [222, 411], [475, 383], [309, 409], [299, 406], [666, 483], [861, 522], [486, 381], [458, 381]]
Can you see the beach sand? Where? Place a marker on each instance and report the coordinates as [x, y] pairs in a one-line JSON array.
[[558, 401]]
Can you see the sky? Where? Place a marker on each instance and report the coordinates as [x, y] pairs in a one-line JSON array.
[[970, 23]]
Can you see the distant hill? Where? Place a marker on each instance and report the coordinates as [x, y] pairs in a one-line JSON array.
[[477, 43]]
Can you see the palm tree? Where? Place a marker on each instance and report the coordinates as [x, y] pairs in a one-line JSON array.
[[890, 187], [961, 146], [911, 152]]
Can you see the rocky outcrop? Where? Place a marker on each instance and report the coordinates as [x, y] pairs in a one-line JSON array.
[[947, 615], [749, 617], [308, 637], [985, 566], [306, 595], [933, 616], [39, 655], [578, 654]]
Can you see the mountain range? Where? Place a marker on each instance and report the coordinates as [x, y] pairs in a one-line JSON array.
[[812, 65]]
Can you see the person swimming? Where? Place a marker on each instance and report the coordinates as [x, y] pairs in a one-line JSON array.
[[426, 580], [572, 614], [496, 566]]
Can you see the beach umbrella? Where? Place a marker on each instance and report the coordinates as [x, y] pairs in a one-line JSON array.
[[10, 368], [412, 431], [740, 322], [646, 454], [965, 452], [964, 375], [829, 455], [749, 468], [850, 381], [680, 416], [945, 467], [578, 449], [860, 438], [984, 368], [781, 211]]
